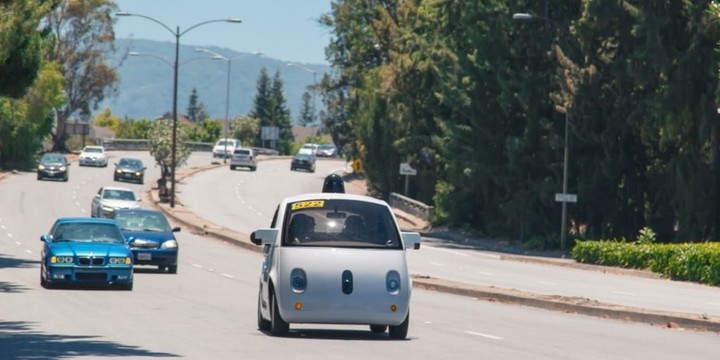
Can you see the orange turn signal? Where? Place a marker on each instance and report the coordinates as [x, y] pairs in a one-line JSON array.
[[298, 306], [393, 307]]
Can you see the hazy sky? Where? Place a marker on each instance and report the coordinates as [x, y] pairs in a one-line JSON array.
[[282, 29]]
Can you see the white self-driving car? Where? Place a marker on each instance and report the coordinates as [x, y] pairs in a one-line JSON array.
[[333, 258]]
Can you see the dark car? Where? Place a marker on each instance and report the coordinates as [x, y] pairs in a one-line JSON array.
[[129, 169], [53, 166], [303, 161], [150, 236], [85, 251]]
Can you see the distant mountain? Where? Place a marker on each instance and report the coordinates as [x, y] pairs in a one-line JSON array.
[[146, 81]]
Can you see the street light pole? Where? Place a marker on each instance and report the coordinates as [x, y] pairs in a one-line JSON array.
[[229, 61], [177, 35]]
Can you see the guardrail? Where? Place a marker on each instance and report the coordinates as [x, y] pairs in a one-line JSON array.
[[411, 206]]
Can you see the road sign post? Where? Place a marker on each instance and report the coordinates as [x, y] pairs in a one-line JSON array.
[[407, 170]]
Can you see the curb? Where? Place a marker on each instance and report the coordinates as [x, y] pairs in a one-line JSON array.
[[576, 305]]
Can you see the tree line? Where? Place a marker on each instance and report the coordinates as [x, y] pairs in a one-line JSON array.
[[477, 102]]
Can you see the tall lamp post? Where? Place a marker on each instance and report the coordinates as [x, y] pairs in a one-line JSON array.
[[314, 73], [565, 197], [177, 33], [229, 61]]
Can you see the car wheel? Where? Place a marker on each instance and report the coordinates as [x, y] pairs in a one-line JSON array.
[[172, 269], [253, 168], [400, 332], [232, 168], [39, 177], [263, 325], [377, 329], [278, 326], [142, 180], [65, 179], [43, 282], [126, 287]]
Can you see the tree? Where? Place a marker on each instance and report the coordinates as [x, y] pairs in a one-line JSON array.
[[307, 111], [160, 137], [262, 108], [107, 120], [281, 115], [196, 111], [246, 129], [22, 44], [83, 34]]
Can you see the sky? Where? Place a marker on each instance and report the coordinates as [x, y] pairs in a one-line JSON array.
[[286, 30]]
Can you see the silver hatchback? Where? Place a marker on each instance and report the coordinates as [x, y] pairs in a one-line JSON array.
[[243, 157]]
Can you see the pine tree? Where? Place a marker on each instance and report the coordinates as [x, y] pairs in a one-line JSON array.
[[193, 107], [307, 111]]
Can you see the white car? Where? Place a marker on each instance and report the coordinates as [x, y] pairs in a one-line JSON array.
[[110, 198], [243, 157], [225, 147], [93, 156], [309, 149], [333, 258]]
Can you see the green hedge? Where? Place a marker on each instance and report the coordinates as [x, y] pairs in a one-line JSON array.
[[692, 262]]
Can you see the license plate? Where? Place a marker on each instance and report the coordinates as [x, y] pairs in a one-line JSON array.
[[144, 256], [128, 175]]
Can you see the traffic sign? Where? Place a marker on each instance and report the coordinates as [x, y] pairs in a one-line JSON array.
[[566, 198], [406, 169]]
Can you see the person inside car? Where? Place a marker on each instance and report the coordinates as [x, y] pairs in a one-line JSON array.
[[301, 228]]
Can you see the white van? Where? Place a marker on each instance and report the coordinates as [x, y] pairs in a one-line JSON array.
[[225, 147]]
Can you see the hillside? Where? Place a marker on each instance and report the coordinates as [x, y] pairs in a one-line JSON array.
[[146, 82]]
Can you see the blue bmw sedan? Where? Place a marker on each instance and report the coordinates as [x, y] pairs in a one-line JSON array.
[[85, 251], [150, 237]]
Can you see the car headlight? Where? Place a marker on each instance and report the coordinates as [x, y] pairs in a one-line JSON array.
[[118, 171], [41, 167], [170, 244], [392, 282], [126, 260], [137, 173], [61, 260], [108, 208], [62, 168], [298, 280]]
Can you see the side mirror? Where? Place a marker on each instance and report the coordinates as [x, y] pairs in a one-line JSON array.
[[264, 236], [176, 229], [45, 238], [130, 239], [411, 240]]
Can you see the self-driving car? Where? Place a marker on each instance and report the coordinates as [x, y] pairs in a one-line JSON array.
[[150, 236], [334, 258], [85, 251]]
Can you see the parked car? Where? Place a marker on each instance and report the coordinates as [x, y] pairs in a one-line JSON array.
[[85, 251], [327, 150], [53, 166], [111, 198], [309, 149], [130, 169], [303, 161], [150, 236], [333, 258], [225, 147], [93, 156], [243, 157]]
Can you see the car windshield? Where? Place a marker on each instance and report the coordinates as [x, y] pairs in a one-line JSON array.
[[131, 163], [52, 159], [87, 232], [340, 223], [152, 222], [226, 142], [92, 150], [326, 147], [119, 195], [303, 157]]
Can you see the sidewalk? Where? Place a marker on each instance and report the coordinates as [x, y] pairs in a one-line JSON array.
[[408, 222]]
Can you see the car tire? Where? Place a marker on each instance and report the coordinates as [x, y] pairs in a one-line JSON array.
[[378, 329], [43, 282], [278, 326], [172, 269], [39, 177], [142, 180], [66, 178], [292, 169], [253, 168], [232, 167], [263, 324], [126, 287], [400, 332]]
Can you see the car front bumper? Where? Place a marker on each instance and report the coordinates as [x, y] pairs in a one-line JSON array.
[[161, 257], [89, 275], [54, 174], [92, 162]]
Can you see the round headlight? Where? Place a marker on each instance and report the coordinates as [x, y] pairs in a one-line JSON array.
[[170, 244]]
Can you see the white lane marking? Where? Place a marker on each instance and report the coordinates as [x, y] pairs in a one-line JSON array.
[[485, 273], [18, 243], [546, 282], [436, 263], [713, 304], [77, 204], [490, 256], [227, 276], [28, 251], [9, 235], [2, 227], [625, 293], [447, 251], [198, 266], [484, 335]]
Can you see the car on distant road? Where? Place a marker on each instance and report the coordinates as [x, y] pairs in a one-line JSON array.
[[85, 251], [333, 258], [243, 157], [129, 169], [327, 150], [111, 198], [53, 166], [150, 236], [92, 155], [225, 147], [303, 161], [309, 149]]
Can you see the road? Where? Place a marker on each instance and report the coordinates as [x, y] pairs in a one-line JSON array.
[[207, 310]]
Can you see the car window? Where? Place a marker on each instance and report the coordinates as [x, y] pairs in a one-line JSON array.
[[119, 195], [340, 223], [87, 232], [93, 150], [152, 222], [242, 152]]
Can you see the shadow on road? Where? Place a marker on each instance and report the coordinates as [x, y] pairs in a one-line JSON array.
[[9, 262], [19, 341]]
